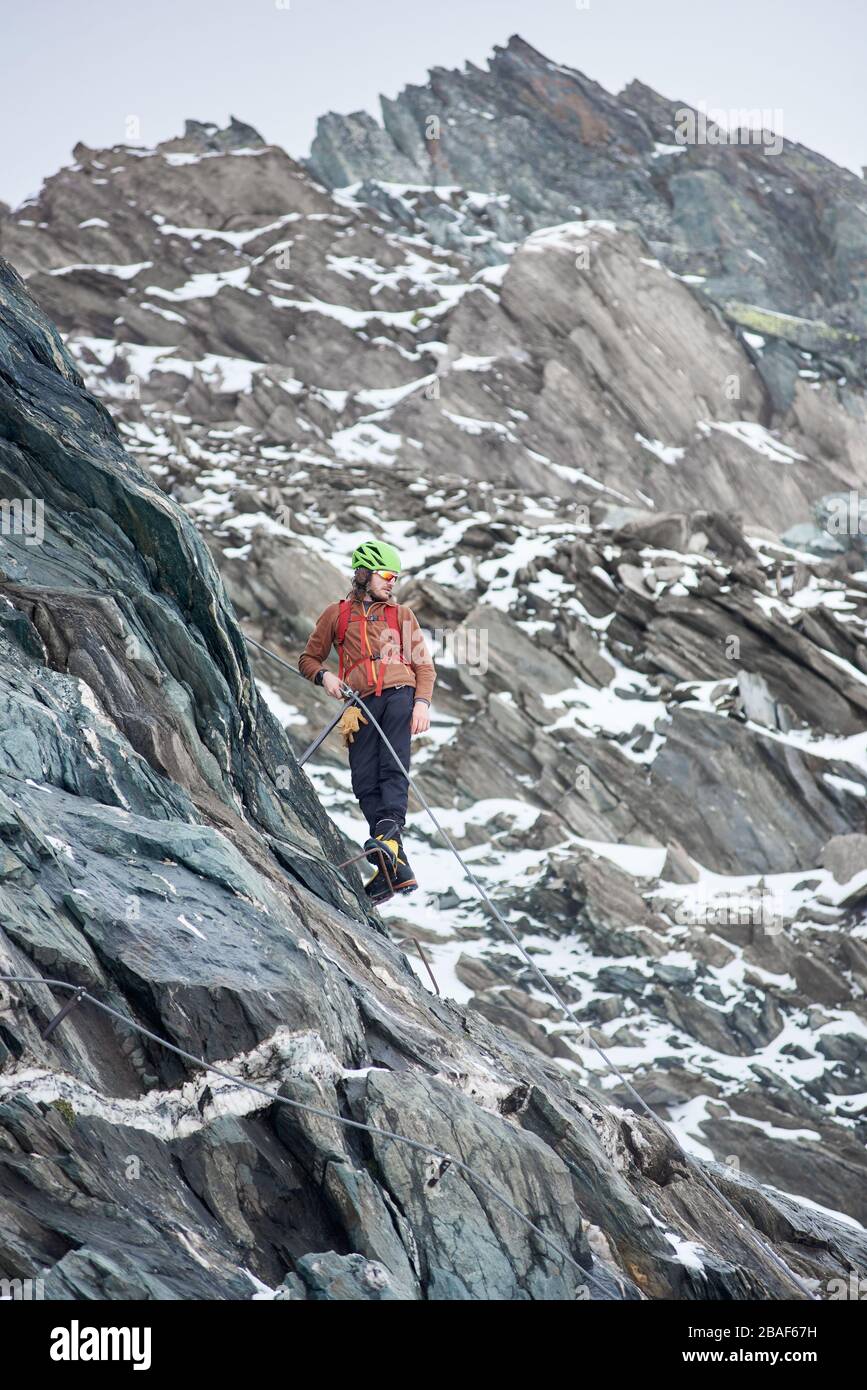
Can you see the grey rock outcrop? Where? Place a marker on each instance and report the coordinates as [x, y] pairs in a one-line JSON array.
[[543, 142]]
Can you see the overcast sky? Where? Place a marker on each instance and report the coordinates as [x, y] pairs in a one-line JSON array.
[[77, 71]]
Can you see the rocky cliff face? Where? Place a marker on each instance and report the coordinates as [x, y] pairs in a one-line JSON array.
[[648, 724]]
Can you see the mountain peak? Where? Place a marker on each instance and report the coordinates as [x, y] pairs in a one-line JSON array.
[[519, 47], [207, 135]]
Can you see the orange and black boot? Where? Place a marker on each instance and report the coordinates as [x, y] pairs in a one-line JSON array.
[[383, 846], [393, 872]]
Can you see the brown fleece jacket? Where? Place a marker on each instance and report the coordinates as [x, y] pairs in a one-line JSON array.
[[368, 639]]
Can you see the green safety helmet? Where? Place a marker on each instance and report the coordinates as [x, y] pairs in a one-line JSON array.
[[376, 555]]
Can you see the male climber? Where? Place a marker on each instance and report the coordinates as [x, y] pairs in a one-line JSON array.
[[383, 655]]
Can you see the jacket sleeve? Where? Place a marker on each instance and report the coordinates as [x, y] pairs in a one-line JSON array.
[[319, 643], [421, 661]]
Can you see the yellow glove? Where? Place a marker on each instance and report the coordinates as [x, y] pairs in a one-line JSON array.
[[349, 722]]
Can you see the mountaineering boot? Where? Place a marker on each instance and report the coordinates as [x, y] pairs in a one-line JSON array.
[[383, 846], [402, 878], [382, 886], [396, 875]]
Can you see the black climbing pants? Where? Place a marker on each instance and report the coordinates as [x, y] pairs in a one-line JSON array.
[[377, 781]]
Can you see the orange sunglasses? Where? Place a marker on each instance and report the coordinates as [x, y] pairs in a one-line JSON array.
[[386, 574]]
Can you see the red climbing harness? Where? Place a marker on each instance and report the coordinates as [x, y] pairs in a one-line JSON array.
[[345, 617]]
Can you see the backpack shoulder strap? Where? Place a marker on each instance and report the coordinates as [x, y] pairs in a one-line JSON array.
[[392, 617], [342, 621], [340, 634]]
